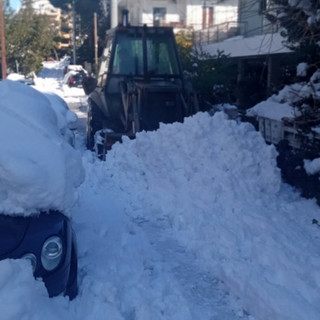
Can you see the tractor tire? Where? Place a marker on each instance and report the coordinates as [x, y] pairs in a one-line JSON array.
[[94, 123]]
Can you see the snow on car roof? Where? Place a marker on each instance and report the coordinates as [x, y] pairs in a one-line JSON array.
[[15, 76], [75, 67], [39, 170]]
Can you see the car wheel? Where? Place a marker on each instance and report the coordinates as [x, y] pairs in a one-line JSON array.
[[72, 285], [94, 123]]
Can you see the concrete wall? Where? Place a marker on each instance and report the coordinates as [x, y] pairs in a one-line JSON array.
[[250, 14]]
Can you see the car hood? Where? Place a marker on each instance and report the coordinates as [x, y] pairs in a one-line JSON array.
[[12, 231]]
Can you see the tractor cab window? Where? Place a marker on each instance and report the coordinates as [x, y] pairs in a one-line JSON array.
[[161, 59], [161, 55], [128, 55]]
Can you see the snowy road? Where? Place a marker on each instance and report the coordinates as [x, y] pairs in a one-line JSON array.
[[197, 292], [191, 222], [200, 288]]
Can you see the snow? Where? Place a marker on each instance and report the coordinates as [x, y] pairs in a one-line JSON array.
[[271, 43], [35, 158], [272, 110], [302, 69], [15, 77], [282, 104], [191, 221], [312, 166]]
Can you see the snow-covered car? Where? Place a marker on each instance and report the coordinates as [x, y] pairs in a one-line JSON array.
[[74, 76], [48, 242], [21, 78], [40, 173], [67, 119]]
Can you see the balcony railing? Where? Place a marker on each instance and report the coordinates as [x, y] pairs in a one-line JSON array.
[[226, 30], [219, 32]]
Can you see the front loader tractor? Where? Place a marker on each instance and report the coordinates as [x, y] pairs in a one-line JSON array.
[[140, 84]]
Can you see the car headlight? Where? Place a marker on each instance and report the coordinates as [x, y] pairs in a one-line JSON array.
[[51, 253], [32, 258]]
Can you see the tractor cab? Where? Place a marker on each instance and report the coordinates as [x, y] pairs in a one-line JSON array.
[[139, 85]]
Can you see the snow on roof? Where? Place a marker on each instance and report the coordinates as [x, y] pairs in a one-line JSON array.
[[270, 43], [39, 170], [272, 110], [75, 67]]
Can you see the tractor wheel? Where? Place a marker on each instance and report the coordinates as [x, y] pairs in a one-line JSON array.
[[94, 123]]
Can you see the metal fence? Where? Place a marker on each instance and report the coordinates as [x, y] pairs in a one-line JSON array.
[[226, 30], [218, 32]]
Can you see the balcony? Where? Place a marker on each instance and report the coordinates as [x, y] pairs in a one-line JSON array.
[[218, 32], [226, 30]]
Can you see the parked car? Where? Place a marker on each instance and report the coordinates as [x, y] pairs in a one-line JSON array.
[[21, 78], [36, 197], [74, 75], [48, 242], [67, 119]]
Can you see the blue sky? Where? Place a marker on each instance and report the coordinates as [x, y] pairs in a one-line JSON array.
[[15, 4]]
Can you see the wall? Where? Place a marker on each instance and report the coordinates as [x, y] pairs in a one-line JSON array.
[[250, 13], [184, 12]]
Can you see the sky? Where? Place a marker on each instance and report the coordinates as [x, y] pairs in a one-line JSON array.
[[191, 221], [15, 4]]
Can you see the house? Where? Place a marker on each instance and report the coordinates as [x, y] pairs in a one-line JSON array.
[[59, 19], [256, 46], [194, 14]]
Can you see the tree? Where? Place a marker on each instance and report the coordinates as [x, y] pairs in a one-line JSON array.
[[85, 29], [299, 21], [212, 76], [30, 39]]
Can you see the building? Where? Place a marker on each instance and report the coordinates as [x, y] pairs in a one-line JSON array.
[[255, 45], [60, 20], [194, 14]]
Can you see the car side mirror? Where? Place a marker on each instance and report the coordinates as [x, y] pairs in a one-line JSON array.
[[89, 84]]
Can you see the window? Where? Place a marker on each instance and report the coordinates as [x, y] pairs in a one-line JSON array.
[[161, 55], [128, 55], [159, 16]]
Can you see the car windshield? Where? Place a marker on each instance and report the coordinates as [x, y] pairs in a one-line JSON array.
[[160, 57]]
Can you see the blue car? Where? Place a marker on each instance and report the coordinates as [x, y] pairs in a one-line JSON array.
[[40, 170], [47, 240]]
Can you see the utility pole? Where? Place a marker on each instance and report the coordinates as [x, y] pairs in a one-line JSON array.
[[95, 42], [3, 43], [73, 32]]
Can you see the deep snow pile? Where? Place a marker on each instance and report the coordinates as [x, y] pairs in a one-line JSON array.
[[217, 185], [36, 163], [169, 216]]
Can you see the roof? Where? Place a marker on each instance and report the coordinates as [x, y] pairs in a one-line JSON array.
[[271, 43]]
